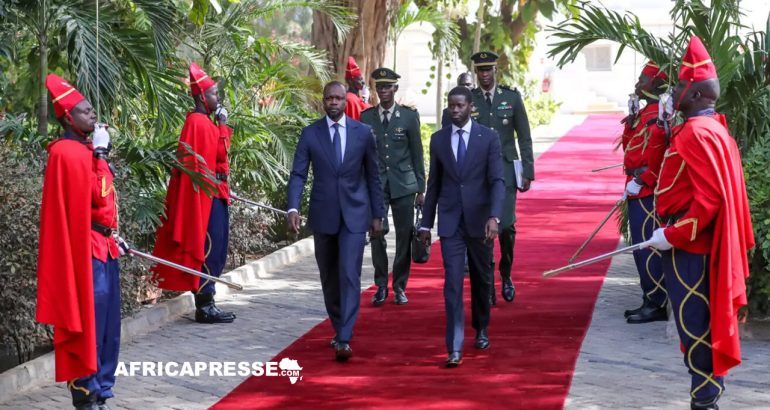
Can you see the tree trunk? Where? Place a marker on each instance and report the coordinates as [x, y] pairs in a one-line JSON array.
[[366, 42], [479, 20], [42, 112], [439, 92]]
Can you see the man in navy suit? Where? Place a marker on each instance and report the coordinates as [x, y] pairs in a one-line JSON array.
[[466, 183], [345, 201]]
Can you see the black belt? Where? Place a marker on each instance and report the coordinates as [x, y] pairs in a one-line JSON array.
[[635, 172], [670, 220], [222, 176], [102, 229]]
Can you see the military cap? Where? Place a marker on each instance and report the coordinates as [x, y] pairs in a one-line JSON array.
[[484, 59], [385, 75]]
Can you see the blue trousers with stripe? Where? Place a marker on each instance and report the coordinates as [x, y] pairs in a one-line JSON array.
[[217, 239], [687, 281], [642, 222], [107, 314]]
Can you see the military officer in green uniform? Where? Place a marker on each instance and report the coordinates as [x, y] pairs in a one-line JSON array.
[[402, 172], [502, 109]]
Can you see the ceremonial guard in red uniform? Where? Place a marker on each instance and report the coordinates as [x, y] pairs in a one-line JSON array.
[[355, 105], [701, 198], [78, 280], [195, 229], [643, 145]]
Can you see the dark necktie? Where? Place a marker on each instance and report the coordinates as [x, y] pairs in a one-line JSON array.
[[460, 149], [385, 120], [337, 140], [489, 98]]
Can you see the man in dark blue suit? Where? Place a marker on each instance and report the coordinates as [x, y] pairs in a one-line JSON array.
[[463, 80], [466, 183], [346, 200]]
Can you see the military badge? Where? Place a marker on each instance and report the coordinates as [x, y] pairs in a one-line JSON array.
[[398, 114]]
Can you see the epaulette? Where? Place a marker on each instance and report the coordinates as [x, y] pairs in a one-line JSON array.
[[505, 87], [374, 107], [409, 107]]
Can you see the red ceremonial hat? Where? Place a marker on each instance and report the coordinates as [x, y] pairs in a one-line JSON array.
[[63, 95], [653, 70], [696, 63], [352, 70], [199, 80]]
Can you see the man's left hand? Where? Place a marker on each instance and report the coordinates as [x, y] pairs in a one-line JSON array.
[[491, 229], [376, 229], [525, 184], [420, 200]]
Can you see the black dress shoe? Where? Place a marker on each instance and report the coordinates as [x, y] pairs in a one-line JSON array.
[[648, 314], [482, 339], [631, 312], [454, 359], [704, 405], [509, 292], [401, 297], [343, 352], [333, 343], [206, 311], [379, 297], [102, 404]]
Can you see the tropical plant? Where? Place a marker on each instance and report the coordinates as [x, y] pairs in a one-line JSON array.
[[744, 74], [445, 35]]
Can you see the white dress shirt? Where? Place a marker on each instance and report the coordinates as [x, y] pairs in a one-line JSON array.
[[381, 111], [342, 129], [466, 137]]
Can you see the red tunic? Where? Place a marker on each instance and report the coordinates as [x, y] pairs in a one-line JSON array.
[[104, 211], [65, 296], [182, 235], [644, 146], [355, 105], [702, 176]]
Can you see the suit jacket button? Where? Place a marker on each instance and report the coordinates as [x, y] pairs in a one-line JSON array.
[[387, 156], [386, 145], [387, 168]]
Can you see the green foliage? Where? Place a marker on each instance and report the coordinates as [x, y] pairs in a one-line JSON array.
[[758, 187], [744, 75], [540, 106]]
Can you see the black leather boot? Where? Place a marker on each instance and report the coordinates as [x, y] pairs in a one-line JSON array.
[[636, 311], [207, 312], [649, 313]]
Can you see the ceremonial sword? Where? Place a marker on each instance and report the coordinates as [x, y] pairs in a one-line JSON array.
[[250, 202], [133, 252], [590, 237], [595, 259], [607, 167]]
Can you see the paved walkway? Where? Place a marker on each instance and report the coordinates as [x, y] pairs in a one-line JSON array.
[[281, 307], [624, 366]]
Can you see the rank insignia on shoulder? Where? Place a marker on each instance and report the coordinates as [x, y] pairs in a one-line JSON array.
[[409, 107], [499, 90], [398, 114]]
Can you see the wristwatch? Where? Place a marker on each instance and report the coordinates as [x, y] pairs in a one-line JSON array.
[[497, 220]]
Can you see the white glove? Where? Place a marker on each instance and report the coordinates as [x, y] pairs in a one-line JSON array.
[[659, 241], [221, 113], [632, 188], [100, 137], [123, 246], [665, 107], [633, 104], [365, 94]]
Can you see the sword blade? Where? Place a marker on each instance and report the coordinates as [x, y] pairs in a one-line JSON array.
[[595, 259], [607, 167], [185, 269], [257, 204], [593, 234]]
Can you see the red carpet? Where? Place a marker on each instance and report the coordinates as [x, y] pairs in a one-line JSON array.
[[399, 350]]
